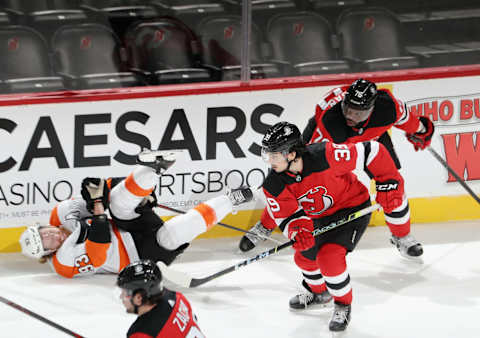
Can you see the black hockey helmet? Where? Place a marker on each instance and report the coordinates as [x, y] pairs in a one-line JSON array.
[[282, 137], [360, 95], [143, 275]]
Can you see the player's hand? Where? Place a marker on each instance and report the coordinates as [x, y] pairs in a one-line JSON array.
[[389, 194], [95, 190], [422, 140], [301, 232]]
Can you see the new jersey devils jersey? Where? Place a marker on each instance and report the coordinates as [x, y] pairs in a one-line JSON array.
[[326, 183], [329, 124], [172, 317]]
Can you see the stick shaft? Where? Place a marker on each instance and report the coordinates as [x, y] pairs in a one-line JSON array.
[[454, 174], [40, 318], [265, 254]]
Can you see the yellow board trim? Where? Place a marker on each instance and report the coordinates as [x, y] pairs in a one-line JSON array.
[[423, 210]]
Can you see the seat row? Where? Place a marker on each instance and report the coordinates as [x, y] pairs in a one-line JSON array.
[[165, 50]]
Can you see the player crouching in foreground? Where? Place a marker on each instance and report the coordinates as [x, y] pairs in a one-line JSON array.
[[312, 186], [81, 240], [161, 312]]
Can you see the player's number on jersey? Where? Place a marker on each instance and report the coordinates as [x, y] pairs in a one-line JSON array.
[[194, 332], [274, 206], [81, 262], [341, 152]]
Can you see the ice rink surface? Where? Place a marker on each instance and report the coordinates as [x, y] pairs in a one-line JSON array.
[[393, 297]]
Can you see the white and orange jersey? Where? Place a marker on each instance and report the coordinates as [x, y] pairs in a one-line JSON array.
[[80, 255]]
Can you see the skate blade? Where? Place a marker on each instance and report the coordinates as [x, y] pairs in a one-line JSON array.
[[312, 307]]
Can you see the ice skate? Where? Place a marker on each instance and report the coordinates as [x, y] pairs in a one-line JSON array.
[[408, 247], [249, 241], [308, 300], [240, 195], [340, 317], [160, 160]]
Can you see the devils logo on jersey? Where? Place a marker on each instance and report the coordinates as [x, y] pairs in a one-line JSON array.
[[315, 201]]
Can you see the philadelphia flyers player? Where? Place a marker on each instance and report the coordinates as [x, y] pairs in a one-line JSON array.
[[311, 186], [80, 239], [359, 113], [162, 313]]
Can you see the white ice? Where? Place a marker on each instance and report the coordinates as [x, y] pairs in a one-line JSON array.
[[393, 297]]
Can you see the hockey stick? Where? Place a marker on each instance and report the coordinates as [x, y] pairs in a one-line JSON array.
[[454, 174], [222, 224], [184, 280], [40, 318]]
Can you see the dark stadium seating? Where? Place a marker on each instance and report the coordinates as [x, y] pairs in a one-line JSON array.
[[304, 41], [371, 37], [165, 51], [90, 56], [25, 62], [221, 41]]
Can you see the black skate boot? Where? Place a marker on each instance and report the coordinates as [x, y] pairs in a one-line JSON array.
[[160, 160], [240, 195], [309, 299], [408, 246], [249, 241], [340, 318]]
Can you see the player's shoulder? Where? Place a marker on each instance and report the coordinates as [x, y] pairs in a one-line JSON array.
[[315, 156], [385, 112], [273, 183]]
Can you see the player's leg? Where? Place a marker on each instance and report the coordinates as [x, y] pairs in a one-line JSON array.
[[129, 193], [315, 293], [184, 228]]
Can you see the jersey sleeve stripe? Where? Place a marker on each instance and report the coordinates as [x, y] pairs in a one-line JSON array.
[[374, 148], [97, 252], [54, 219], [63, 270], [360, 164], [134, 188], [208, 214]]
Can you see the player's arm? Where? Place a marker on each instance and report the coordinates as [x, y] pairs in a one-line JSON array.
[[284, 210], [95, 194], [419, 129]]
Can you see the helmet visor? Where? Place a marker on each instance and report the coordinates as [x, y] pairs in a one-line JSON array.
[[273, 157], [354, 114]]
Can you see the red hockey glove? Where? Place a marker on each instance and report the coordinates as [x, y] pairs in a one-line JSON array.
[[389, 194], [301, 232], [422, 140]]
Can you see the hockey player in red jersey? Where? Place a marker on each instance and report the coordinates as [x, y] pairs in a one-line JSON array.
[[311, 186], [162, 313], [359, 113], [80, 240]]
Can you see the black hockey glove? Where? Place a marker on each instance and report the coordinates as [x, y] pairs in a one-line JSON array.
[[148, 203], [95, 189]]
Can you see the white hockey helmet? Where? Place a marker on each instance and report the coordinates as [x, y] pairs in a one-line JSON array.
[[31, 243]]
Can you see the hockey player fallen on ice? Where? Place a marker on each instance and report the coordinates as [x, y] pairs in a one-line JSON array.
[[161, 313], [359, 113], [312, 186], [80, 240]]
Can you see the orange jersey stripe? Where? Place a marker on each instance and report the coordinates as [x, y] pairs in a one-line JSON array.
[[122, 252], [63, 270], [134, 188], [54, 219], [208, 213], [97, 252]]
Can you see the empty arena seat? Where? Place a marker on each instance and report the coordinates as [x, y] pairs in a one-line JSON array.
[[90, 56], [26, 64], [303, 40], [46, 15], [190, 11], [120, 13], [166, 51], [372, 38], [221, 40]]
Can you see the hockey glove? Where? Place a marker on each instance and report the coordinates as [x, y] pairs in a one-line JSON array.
[[301, 232], [389, 194], [95, 189], [422, 140], [148, 203]]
